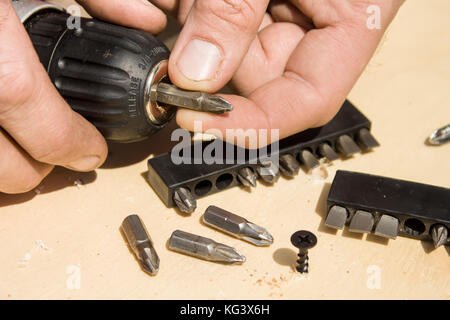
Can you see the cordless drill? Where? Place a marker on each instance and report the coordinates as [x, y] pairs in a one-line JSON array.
[[116, 77]]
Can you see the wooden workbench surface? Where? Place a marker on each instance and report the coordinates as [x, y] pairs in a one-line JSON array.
[[68, 228]]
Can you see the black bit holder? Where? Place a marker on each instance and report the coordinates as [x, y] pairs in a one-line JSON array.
[[203, 179], [406, 208]]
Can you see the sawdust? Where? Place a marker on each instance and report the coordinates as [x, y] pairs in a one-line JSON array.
[[320, 173], [274, 283]]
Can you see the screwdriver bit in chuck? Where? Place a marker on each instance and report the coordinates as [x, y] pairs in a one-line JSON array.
[[195, 100], [141, 244], [203, 248], [237, 226]]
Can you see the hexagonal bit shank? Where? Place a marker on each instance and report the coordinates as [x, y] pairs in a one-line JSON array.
[[203, 248], [237, 226]]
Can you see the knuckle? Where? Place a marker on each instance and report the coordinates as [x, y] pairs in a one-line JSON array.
[[240, 14]]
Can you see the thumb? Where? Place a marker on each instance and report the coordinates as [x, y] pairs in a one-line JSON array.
[[213, 42]]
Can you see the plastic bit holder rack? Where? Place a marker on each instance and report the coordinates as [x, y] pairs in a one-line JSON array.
[[389, 207], [348, 129]]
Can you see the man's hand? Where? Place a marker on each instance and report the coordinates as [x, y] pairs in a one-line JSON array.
[[294, 66], [37, 128]]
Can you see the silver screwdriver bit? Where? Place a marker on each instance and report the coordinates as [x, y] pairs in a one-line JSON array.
[[387, 227], [347, 146], [308, 159], [440, 136], [362, 221], [237, 226], [247, 177], [439, 233], [184, 200], [268, 171], [141, 244], [289, 166], [203, 248], [366, 140], [327, 151], [194, 100]]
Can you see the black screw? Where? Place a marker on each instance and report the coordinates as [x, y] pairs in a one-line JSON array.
[[303, 240]]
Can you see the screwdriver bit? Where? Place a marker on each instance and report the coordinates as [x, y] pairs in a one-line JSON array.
[[362, 222], [289, 166], [141, 244], [439, 234], [440, 136], [194, 100], [336, 218], [203, 248], [308, 159], [247, 177], [347, 146], [387, 227], [327, 151], [184, 200], [237, 226], [268, 171], [366, 140]]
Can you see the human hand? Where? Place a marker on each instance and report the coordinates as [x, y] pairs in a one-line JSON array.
[[294, 67], [38, 129]]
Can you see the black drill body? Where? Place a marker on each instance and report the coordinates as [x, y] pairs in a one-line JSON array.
[[104, 72]]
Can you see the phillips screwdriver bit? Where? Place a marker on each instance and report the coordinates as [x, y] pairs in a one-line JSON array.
[[194, 100], [184, 200], [439, 234], [440, 136], [237, 226], [289, 166], [141, 244], [203, 248], [247, 177], [268, 171]]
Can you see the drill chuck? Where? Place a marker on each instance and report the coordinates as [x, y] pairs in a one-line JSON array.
[[105, 72]]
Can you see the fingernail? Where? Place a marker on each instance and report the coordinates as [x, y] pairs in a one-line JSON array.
[[146, 2], [200, 60], [88, 163]]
